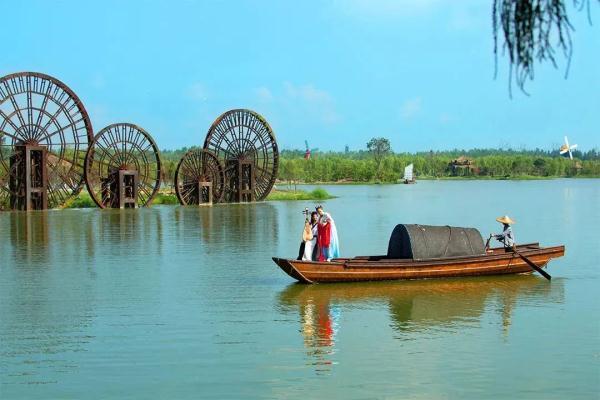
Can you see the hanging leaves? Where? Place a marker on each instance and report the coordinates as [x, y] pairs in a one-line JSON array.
[[530, 31]]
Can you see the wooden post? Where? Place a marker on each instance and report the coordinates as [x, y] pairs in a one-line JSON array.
[[29, 183], [127, 191], [246, 181], [205, 194]]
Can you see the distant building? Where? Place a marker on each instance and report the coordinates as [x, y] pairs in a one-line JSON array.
[[462, 166]]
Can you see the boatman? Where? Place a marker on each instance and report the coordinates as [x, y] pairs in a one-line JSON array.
[[507, 236]]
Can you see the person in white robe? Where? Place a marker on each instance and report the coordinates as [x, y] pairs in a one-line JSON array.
[[327, 253], [310, 237]]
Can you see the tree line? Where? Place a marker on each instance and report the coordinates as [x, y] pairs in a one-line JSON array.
[[356, 167], [380, 164]]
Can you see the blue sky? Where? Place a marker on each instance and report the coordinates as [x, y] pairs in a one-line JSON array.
[[335, 73]]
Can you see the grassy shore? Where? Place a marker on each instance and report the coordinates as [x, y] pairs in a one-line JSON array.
[[316, 194], [488, 178], [84, 200], [445, 178]]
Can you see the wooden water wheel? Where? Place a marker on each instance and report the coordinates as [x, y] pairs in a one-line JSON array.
[[199, 178], [245, 143], [122, 167], [44, 135]]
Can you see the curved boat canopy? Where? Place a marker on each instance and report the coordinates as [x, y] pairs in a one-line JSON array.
[[422, 242]]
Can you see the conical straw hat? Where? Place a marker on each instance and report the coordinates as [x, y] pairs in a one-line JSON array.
[[505, 220]]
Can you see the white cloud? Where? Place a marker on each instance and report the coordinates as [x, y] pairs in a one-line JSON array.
[[99, 114], [316, 101], [308, 93], [98, 81], [264, 94], [197, 91], [468, 16], [386, 8], [410, 108], [306, 100], [459, 14], [447, 118]]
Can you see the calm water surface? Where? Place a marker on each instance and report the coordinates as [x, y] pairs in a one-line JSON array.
[[175, 302]]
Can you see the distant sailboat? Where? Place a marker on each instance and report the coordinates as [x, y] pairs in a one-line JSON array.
[[408, 174]]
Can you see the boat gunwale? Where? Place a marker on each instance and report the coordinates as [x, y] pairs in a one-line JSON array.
[[494, 262], [352, 263]]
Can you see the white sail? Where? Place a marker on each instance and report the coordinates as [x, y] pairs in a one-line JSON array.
[[408, 173]]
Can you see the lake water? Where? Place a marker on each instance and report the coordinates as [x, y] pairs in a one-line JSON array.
[[185, 303]]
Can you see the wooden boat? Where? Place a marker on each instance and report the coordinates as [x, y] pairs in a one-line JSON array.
[[496, 261], [424, 251]]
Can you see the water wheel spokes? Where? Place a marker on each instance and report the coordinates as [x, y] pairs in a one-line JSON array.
[[44, 135], [123, 167], [245, 144], [199, 178]]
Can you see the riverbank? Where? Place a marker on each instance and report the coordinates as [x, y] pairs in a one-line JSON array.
[[290, 195], [84, 200], [443, 178]]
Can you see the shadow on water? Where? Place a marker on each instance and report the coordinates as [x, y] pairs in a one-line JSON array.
[[415, 307]]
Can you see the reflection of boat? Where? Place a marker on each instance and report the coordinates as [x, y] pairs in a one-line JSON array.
[[371, 268], [408, 174], [418, 305]]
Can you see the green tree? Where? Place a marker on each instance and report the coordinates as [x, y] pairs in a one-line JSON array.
[[285, 173], [296, 171], [379, 148]]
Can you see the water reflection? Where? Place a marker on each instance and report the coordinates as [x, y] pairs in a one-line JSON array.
[[247, 225], [415, 307], [320, 325], [46, 238], [29, 235], [194, 220], [118, 231], [44, 316], [243, 224]]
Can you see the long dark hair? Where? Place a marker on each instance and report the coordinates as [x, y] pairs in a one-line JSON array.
[[313, 214]]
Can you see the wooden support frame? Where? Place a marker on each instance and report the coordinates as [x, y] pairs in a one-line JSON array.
[[205, 193], [29, 182], [246, 181], [127, 191], [120, 189]]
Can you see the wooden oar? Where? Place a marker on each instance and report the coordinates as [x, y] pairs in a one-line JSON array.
[[533, 265], [487, 243]]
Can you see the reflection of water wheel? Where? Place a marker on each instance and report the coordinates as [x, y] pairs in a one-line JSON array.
[[122, 167], [199, 178], [245, 143], [44, 133]]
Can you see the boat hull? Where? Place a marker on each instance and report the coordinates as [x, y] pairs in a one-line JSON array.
[[377, 268]]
